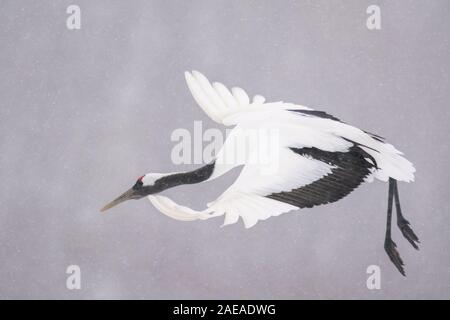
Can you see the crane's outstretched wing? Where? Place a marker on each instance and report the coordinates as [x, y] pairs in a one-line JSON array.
[[303, 178], [220, 104]]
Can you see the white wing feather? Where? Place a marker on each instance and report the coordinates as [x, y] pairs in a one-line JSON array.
[[219, 103]]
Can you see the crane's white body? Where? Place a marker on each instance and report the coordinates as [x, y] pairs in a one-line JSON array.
[[246, 197]]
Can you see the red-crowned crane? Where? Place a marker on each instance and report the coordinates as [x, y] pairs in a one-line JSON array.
[[319, 160]]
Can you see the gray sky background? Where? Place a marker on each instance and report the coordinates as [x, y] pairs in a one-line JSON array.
[[84, 113]]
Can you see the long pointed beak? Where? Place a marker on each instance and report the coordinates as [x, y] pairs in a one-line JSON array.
[[127, 195]]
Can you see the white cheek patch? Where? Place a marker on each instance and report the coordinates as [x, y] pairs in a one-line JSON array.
[[150, 178]]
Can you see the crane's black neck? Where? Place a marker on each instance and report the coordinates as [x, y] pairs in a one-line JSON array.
[[190, 177], [173, 180]]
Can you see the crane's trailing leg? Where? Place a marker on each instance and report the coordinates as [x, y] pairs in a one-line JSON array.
[[402, 223], [390, 245]]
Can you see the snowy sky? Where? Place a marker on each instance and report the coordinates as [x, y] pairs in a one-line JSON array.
[[83, 113]]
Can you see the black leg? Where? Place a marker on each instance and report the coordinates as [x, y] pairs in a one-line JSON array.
[[402, 223], [389, 245]]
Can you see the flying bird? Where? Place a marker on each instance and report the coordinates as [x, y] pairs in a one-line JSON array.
[[317, 159]]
